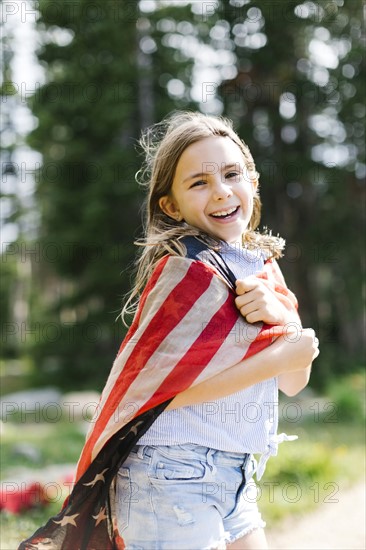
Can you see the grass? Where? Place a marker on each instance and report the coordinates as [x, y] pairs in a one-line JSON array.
[[15, 528], [314, 469], [53, 443], [327, 457]]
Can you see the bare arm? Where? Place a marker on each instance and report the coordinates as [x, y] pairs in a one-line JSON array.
[[256, 302], [291, 383], [280, 358]]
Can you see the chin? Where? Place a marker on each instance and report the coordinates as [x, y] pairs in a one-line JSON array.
[[233, 239]]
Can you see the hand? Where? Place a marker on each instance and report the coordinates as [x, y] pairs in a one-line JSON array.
[[256, 301], [296, 350]]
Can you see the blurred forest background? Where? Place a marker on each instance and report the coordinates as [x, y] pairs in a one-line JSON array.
[[290, 74]]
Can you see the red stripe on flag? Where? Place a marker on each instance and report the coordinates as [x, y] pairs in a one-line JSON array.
[[198, 356], [150, 285], [264, 339], [178, 303]]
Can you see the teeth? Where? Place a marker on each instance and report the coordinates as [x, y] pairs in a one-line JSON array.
[[224, 212]]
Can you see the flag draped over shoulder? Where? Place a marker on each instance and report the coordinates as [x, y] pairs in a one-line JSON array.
[[186, 330]]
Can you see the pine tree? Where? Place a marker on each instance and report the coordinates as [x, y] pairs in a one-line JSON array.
[[103, 64], [297, 101]]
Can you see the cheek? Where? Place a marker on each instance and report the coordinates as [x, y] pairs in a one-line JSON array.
[[192, 205], [249, 198]]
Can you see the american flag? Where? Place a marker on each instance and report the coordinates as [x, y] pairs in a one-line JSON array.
[[186, 330]]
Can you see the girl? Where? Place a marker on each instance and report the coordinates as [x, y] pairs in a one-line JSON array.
[[168, 463]]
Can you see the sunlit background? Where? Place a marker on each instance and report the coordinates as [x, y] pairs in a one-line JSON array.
[[80, 80]]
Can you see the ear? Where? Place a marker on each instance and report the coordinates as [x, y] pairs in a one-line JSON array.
[[255, 186], [170, 208]]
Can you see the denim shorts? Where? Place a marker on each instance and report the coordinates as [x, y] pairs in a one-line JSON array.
[[185, 497]]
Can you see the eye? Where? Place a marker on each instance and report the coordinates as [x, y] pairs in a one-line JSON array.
[[198, 183], [231, 175]]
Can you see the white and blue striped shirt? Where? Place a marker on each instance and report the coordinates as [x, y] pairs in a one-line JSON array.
[[244, 422]]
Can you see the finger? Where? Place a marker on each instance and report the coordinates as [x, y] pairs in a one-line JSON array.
[[244, 285], [244, 300], [248, 311], [253, 317]]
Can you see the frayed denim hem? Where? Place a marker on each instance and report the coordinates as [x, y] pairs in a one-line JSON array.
[[245, 532]]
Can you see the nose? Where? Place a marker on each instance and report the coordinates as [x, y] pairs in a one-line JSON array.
[[222, 190]]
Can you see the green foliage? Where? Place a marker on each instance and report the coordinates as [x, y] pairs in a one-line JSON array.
[[15, 374], [299, 463], [103, 76], [307, 472], [348, 394], [312, 470], [327, 456], [111, 72], [16, 528], [297, 101], [57, 443], [7, 277]]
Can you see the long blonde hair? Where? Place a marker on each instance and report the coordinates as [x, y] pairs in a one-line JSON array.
[[163, 144]]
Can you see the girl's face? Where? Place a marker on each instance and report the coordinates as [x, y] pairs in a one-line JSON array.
[[211, 189]]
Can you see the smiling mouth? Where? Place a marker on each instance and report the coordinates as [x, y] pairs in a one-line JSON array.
[[224, 214]]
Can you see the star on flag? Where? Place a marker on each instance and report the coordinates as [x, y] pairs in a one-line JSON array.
[[98, 477], [100, 516], [67, 520]]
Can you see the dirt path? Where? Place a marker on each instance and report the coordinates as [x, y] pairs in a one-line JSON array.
[[333, 526]]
